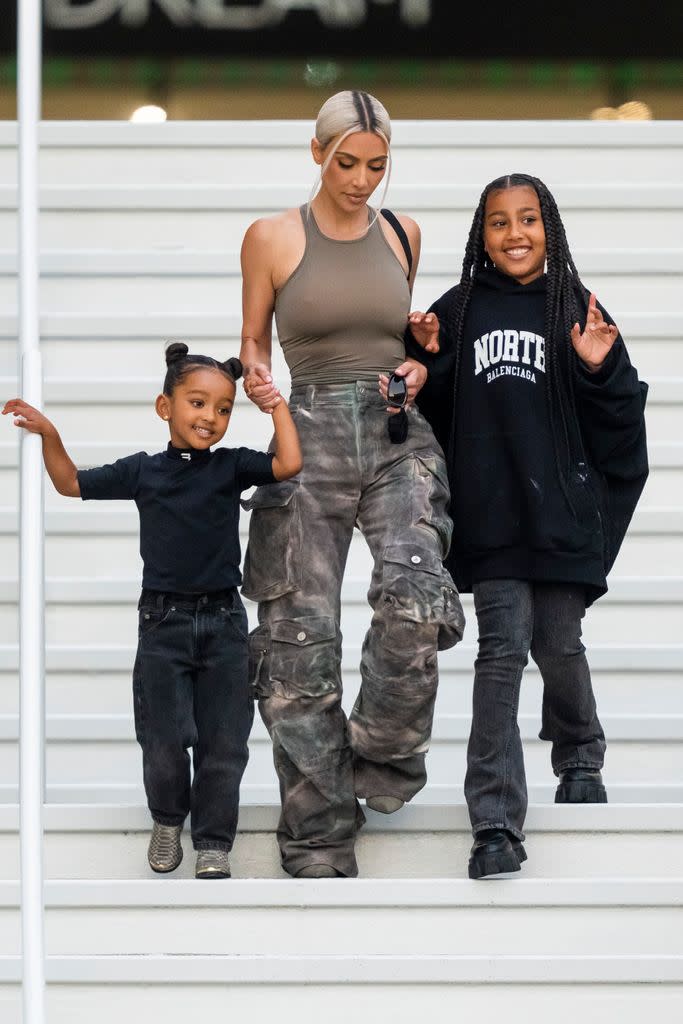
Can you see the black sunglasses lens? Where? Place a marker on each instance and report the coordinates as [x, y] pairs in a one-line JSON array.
[[398, 427], [397, 392]]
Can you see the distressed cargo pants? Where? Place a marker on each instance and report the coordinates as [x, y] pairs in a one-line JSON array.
[[300, 531]]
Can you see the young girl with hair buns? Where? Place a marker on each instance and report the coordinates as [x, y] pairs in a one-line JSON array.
[[190, 682], [532, 394], [337, 276]]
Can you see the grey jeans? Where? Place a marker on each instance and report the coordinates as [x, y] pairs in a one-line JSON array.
[[300, 531], [516, 618]]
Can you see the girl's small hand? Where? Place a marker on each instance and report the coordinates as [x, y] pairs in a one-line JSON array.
[[27, 417], [259, 388], [425, 330], [593, 345], [415, 376]]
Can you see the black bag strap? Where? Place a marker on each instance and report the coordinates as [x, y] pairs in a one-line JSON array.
[[402, 236]]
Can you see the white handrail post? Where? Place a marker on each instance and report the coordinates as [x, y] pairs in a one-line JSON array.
[[31, 559]]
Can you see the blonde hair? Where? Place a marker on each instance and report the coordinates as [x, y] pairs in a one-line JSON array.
[[344, 114]]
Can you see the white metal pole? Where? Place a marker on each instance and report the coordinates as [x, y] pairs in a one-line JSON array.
[[31, 560]]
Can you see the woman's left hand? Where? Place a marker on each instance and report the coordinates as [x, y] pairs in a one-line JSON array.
[[593, 345], [415, 376]]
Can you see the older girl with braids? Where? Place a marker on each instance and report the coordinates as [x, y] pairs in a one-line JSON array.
[[532, 394], [190, 686], [337, 276]]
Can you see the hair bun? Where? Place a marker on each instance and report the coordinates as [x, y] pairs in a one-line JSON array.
[[175, 351], [234, 368]]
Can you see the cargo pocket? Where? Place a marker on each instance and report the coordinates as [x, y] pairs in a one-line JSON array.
[[420, 590], [272, 564], [304, 660], [430, 496]]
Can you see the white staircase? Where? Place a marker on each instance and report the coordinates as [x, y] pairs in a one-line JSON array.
[[141, 229]]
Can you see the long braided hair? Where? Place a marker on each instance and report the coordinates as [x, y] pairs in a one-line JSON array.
[[561, 310]]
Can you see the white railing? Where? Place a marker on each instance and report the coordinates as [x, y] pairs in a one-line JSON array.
[[31, 545]]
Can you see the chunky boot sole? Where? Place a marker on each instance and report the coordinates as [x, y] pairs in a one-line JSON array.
[[483, 865], [581, 792]]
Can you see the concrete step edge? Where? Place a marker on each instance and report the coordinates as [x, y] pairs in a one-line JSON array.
[[663, 727], [132, 794], [121, 519], [645, 590], [603, 657], [188, 262], [661, 454], [226, 325], [272, 196], [243, 969], [427, 817], [126, 894]]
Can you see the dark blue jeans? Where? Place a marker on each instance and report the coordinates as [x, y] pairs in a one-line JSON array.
[[191, 689], [516, 618]]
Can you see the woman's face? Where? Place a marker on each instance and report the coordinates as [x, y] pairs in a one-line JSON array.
[[514, 235], [355, 170]]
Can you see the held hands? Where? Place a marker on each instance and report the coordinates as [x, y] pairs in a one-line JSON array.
[[414, 374], [29, 418], [593, 345], [260, 389], [425, 330]]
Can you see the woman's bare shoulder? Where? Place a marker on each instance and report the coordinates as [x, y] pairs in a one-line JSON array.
[[273, 229]]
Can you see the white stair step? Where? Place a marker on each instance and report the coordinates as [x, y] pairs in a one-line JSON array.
[[649, 991], [104, 750], [103, 841], [614, 197], [105, 610], [613, 657], [356, 916], [222, 289], [331, 970], [664, 455], [624, 692], [251, 794], [517, 1003], [108, 411], [119, 325], [448, 728], [99, 262]]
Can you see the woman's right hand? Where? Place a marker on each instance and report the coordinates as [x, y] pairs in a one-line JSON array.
[[259, 387], [425, 330]]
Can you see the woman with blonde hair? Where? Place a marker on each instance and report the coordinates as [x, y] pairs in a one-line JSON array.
[[337, 275]]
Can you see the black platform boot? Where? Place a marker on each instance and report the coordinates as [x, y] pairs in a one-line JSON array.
[[493, 853], [580, 786]]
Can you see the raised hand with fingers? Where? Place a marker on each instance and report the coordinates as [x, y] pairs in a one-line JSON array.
[[58, 464], [27, 417], [425, 330], [593, 344]]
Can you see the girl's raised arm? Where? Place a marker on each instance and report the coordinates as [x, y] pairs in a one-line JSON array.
[[60, 468]]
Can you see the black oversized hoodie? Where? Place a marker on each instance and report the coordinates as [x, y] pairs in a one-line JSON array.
[[521, 510]]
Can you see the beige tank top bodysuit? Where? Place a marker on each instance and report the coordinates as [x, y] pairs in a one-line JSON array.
[[341, 315]]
